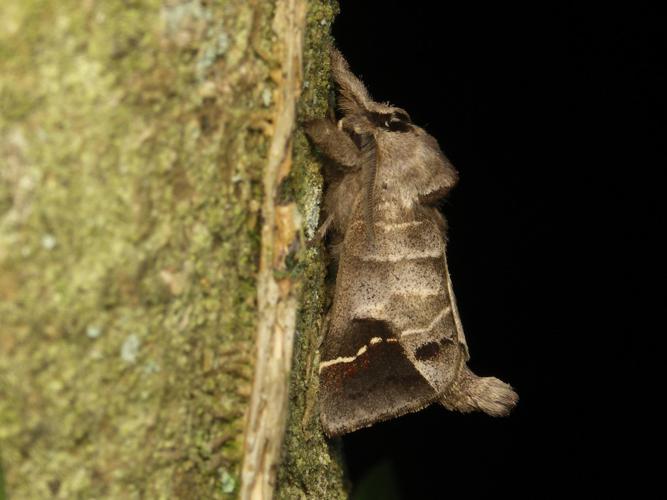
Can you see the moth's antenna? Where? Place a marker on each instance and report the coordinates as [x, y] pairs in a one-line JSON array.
[[369, 161]]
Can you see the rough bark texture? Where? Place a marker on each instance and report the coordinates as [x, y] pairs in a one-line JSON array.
[[134, 140]]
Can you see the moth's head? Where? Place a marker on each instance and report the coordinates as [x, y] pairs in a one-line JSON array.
[[407, 150], [361, 114]]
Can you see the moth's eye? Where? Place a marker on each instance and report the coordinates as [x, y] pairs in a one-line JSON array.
[[399, 122], [401, 116]]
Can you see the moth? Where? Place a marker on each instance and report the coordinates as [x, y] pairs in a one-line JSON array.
[[395, 343]]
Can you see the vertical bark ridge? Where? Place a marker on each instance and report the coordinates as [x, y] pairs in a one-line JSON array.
[[277, 303]]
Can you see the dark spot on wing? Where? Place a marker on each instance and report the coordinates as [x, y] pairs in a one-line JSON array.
[[427, 351]]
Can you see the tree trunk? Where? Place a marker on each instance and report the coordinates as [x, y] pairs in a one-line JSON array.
[[156, 296]]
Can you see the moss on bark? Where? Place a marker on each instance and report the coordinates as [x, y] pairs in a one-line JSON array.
[[133, 135], [312, 465]]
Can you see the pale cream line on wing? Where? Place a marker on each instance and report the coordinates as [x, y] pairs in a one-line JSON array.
[[349, 359], [439, 317]]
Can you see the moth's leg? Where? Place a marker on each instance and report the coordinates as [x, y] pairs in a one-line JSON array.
[[321, 231], [311, 370], [333, 142], [472, 393], [331, 111]]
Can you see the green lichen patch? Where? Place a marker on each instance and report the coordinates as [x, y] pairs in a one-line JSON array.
[[132, 156]]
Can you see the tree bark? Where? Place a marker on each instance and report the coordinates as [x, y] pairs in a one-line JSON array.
[[157, 300]]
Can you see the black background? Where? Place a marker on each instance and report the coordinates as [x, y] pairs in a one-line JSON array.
[[552, 115]]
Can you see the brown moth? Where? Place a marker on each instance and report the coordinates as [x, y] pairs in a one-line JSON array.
[[395, 342]]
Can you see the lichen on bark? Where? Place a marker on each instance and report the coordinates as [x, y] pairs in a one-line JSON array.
[[133, 137], [312, 466]]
